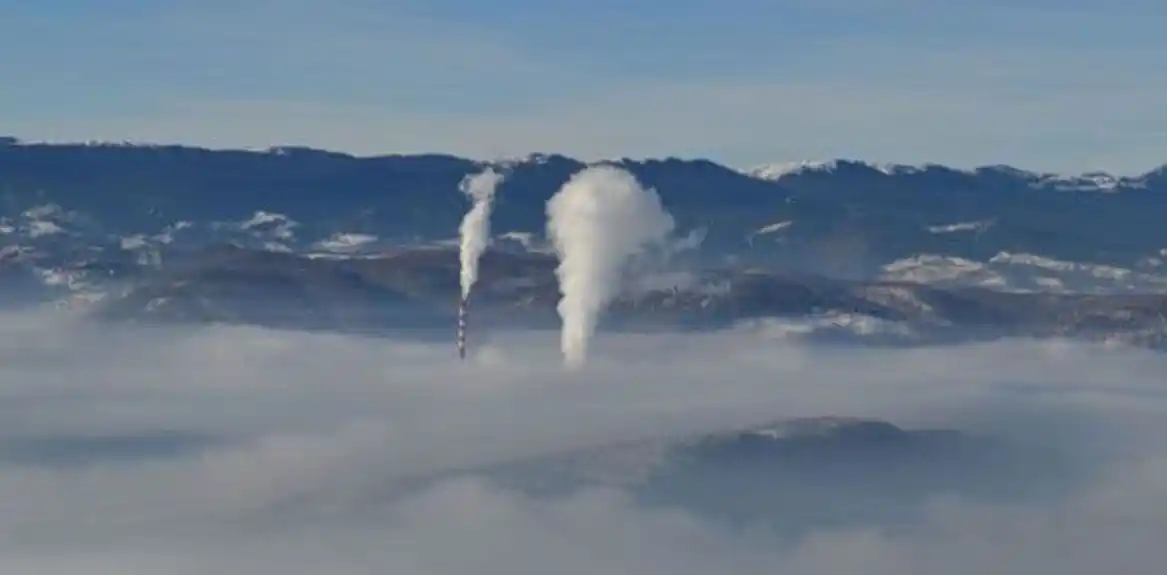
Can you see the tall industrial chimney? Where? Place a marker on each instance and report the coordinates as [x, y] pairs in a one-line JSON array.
[[462, 302]]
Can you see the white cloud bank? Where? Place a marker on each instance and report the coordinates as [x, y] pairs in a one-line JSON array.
[[277, 452]]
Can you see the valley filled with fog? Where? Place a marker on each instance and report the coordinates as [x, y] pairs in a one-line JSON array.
[[236, 449]]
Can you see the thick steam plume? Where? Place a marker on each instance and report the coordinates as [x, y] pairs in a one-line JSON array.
[[475, 228], [598, 220]]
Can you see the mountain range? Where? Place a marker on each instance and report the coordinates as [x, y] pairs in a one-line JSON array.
[[192, 234]]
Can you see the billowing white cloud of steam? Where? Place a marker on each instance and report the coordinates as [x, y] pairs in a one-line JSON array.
[[475, 228], [598, 220], [240, 450]]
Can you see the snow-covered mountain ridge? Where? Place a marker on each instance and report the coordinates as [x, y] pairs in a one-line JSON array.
[[1089, 181], [82, 221]]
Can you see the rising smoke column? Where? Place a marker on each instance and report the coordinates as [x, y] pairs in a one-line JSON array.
[[475, 228], [475, 232], [598, 220]]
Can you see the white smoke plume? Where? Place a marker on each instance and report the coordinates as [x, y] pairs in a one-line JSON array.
[[598, 220], [475, 228]]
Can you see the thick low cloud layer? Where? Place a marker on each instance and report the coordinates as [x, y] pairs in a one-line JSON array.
[[237, 450]]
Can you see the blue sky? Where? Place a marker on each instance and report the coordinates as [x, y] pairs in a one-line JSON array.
[[1061, 85]]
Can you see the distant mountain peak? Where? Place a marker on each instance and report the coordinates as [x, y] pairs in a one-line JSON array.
[[779, 170], [535, 158]]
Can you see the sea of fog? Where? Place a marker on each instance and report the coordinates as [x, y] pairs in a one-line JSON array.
[[244, 450]]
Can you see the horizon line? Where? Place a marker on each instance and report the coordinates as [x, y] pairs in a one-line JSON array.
[[9, 140]]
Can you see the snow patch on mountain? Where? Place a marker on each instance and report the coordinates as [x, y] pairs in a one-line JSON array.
[[1023, 272], [73, 289], [831, 326], [1087, 182], [134, 242], [144, 247], [977, 226], [49, 216], [777, 171], [344, 242], [148, 247], [266, 230], [167, 235], [61, 278], [1151, 263], [46, 224], [11, 252], [45, 220], [1098, 271], [943, 270], [900, 298], [774, 227], [45, 211], [41, 228], [769, 229], [272, 224], [515, 161], [527, 241], [1093, 181]]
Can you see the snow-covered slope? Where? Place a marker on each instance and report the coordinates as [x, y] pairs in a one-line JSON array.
[[1091, 181], [1023, 272]]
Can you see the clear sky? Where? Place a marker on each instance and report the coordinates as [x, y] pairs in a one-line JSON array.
[[1061, 85]]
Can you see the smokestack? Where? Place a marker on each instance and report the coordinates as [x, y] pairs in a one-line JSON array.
[[475, 232], [462, 328]]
